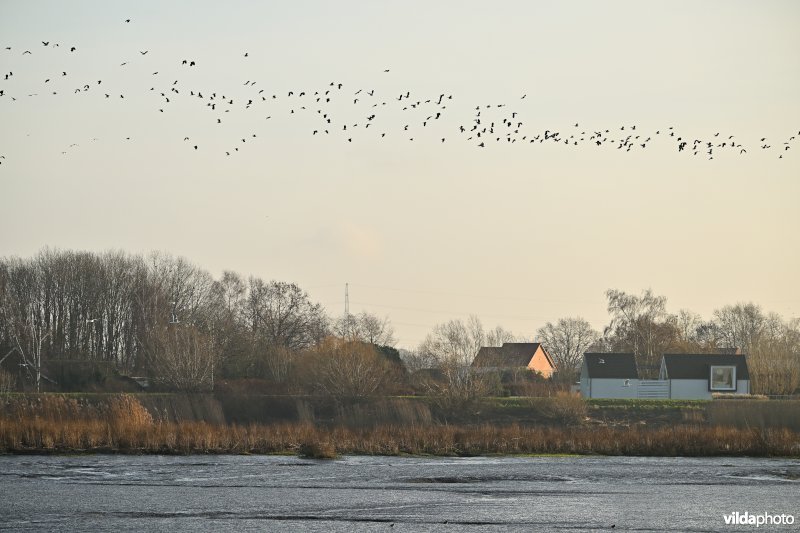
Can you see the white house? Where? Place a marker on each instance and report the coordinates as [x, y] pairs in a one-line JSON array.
[[681, 376], [697, 376], [609, 375]]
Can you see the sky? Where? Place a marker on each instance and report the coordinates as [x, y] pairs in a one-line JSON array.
[[425, 230]]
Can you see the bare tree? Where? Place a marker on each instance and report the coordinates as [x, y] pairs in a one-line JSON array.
[[640, 324], [454, 342], [283, 314], [774, 357], [365, 327], [184, 289], [415, 360], [227, 318], [740, 325], [687, 324], [183, 357], [21, 311], [692, 333], [452, 346], [279, 361], [567, 340], [350, 369], [498, 336]]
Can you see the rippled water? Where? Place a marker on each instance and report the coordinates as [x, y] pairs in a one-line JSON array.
[[235, 493]]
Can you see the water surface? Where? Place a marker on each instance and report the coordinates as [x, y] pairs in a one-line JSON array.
[[258, 493]]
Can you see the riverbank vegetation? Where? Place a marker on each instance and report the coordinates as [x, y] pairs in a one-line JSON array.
[[119, 322], [121, 424], [142, 436], [155, 355]]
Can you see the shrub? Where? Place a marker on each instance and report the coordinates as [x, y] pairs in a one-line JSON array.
[[317, 450], [730, 396]]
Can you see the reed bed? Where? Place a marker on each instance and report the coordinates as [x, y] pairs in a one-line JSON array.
[[123, 425], [44, 436]]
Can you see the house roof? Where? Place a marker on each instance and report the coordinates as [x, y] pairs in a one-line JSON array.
[[698, 366], [611, 365], [488, 356], [511, 354]]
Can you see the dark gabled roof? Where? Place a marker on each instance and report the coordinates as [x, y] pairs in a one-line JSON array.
[[698, 366], [488, 356], [611, 365], [511, 354], [519, 353]]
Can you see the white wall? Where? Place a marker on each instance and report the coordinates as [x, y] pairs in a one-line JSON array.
[[584, 381], [743, 386], [697, 389], [690, 389], [611, 388]]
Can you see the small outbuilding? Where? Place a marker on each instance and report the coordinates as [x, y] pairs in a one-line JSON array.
[[698, 376], [609, 375]]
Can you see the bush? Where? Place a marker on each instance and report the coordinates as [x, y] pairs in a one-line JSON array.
[[317, 450], [730, 396], [349, 369]]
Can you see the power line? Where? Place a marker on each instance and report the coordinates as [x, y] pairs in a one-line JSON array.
[[484, 296], [420, 310]]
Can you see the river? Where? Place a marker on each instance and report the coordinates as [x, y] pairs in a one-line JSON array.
[[259, 493]]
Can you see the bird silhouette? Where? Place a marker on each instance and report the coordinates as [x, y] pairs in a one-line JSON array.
[[484, 127]]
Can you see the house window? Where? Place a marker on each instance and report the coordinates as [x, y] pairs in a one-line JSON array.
[[723, 378]]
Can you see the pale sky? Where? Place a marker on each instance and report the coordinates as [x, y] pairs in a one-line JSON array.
[[423, 231]]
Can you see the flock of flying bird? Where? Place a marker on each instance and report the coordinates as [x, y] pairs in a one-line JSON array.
[[410, 115]]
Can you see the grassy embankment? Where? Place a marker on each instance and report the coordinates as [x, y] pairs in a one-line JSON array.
[[121, 424]]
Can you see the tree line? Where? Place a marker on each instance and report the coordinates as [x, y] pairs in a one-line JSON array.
[[638, 323], [161, 317], [641, 324]]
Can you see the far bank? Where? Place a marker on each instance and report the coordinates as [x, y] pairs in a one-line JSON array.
[[324, 427]]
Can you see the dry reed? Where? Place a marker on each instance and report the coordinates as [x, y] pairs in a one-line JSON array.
[[62, 425], [38, 435]]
